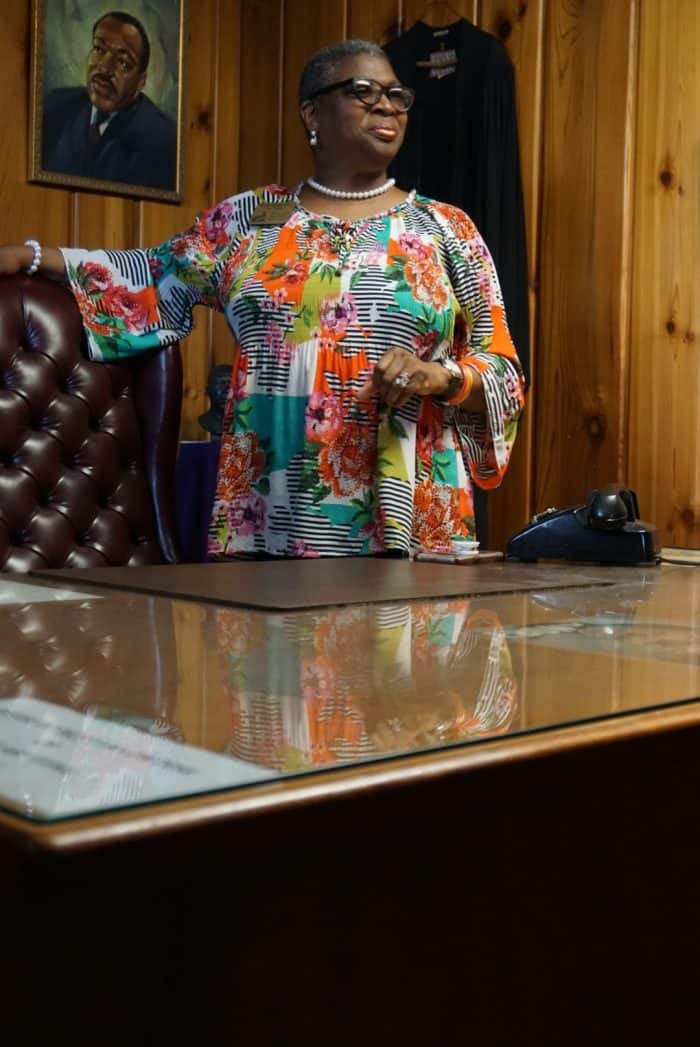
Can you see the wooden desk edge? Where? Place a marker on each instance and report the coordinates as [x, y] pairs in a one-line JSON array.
[[114, 827]]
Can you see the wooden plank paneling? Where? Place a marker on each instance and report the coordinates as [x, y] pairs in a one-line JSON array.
[[580, 340], [163, 220], [261, 64], [664, 437], [520, 27], [377, 21], [227, 99], [28, 210], [308, 25], [227, 140], [106, 221]]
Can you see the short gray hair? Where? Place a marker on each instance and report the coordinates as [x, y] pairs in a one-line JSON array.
[[322, 68]]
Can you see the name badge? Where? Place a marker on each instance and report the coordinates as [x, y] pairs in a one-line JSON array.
[[272, 214]]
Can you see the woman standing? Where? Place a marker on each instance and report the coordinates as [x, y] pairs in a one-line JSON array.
[[374, 379]]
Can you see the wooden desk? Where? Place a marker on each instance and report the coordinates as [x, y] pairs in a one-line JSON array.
[[510, 856]]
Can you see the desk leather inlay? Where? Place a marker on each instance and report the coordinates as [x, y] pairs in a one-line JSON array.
[[301, 584]]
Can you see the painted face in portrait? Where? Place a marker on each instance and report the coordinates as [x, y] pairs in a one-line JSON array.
[[114, 72]]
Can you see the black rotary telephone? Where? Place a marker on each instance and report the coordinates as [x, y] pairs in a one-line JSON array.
[[606, 529]]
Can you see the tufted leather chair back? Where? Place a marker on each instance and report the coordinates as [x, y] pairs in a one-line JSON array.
[[87, 450]]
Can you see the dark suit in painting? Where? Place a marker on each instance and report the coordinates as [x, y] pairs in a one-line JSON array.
[[139, 145]]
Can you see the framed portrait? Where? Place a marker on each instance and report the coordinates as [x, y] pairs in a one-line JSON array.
[[107, 111]]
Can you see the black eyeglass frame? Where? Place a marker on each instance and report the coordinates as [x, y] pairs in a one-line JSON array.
[[352, 82]]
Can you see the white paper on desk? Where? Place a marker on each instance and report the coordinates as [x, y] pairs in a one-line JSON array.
[[56, 762], [24, 592]]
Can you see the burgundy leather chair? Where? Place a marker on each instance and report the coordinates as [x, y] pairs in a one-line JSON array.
[[87, 450]]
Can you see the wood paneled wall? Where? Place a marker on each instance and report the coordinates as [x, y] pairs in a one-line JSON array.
[[663, 448], [609, 111]]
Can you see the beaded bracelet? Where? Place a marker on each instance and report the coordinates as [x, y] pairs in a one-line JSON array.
[[465, 388], [36, 260]]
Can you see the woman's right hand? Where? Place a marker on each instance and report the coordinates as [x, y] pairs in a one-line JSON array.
[[16, 258]]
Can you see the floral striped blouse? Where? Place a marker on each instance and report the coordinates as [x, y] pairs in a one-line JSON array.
[[313, 301]]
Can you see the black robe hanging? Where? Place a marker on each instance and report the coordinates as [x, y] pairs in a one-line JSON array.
[[461, 147]]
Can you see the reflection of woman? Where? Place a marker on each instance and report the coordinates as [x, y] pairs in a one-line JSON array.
[[374, 378], [431, 675]]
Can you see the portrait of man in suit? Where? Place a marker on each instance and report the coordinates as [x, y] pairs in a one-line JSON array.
[[108, 128]]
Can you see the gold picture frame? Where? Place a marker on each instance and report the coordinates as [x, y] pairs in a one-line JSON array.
[[135, 68]]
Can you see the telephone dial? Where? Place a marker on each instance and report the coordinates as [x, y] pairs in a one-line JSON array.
[[606, 529]]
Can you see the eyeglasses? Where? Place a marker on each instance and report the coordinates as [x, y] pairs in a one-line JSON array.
[[369, 92]]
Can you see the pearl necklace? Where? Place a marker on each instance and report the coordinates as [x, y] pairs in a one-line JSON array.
[[346, 194]]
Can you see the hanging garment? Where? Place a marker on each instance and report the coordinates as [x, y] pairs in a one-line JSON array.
[[461, 146]]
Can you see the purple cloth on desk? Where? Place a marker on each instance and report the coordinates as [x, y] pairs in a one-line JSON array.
[[195, 486]]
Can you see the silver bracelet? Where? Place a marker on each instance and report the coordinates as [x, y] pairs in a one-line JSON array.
[[36, 260]]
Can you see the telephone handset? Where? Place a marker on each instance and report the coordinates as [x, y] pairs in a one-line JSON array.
[[606, 529], [609, 508]]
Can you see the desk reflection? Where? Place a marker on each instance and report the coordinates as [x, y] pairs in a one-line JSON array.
[[112, 659], [287, 692], [329, 687]]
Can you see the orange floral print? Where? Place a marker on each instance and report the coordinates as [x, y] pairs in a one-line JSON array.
[[437, 517], [427, 282], [136, 309], [461, 223], [240, 465], [347, 462], [88, 311]]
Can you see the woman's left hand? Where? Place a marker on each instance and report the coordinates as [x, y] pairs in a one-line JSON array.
[[399, 375]]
